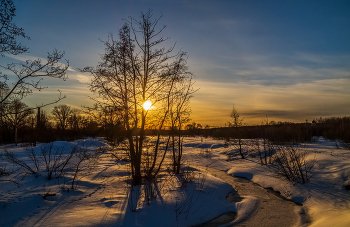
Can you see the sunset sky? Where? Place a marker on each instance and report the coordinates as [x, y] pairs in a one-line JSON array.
[[289, 60]]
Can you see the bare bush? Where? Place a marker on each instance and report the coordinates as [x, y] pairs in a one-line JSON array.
[[56, 160], [264, 149], [292, 164], [5, 175], [52, 158], [34, 157], [187, 174], [84, 161], [3, 172], [11, 157], [63, 163], [257, 147]]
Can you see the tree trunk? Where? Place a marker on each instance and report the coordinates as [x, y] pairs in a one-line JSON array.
[[16, 129]]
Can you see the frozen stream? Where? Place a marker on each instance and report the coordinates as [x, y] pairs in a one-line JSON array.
[[262, 207]]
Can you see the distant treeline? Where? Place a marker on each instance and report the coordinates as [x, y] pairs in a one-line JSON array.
[[65, 123], [20, 124], [334, 128]]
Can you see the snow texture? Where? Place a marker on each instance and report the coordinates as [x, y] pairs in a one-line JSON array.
[[104, 197]]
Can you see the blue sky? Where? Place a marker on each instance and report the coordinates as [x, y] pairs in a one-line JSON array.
[[287, 59]]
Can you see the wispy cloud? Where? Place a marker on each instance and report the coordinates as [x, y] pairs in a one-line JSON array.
[[32, 58], [82, 78], [293, 103], [273, 70]]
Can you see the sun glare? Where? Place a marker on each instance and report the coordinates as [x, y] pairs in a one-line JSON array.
[[146, 105]]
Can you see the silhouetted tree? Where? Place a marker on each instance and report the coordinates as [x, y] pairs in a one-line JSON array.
[[136, 69], [26, 75], [193, 128], [9, 31], [62, 113], [236, 123], [17, 114], [179, 116]]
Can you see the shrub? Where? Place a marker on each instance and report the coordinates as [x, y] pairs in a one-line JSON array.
[[292, 164], [16, 161]]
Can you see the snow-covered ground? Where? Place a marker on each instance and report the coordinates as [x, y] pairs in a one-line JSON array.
[[324, 198], [103, 196]]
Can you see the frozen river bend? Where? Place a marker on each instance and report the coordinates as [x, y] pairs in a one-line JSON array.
[[257, 206], [325, 200]]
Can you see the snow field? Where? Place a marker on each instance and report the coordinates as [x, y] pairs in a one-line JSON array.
[[104, 197]]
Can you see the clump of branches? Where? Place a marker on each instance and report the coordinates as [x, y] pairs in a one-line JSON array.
[[25, 72], [84, 161], [12, 158], [35, 157], [187, 175], [5, 175], [292, 164], [10, 31], [258, 148], [3, 172], [264, 149], [55, 160]]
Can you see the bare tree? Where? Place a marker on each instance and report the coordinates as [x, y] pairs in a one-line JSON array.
[[136, 70], [62, 113], [9, 31], [237, 122], [16, 114], [3, 92], [74, 121], [27, 72], [179, 116], [26, 75], [31, 69]]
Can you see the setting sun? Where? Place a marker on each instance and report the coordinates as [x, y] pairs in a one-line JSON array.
[[147, 105]]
